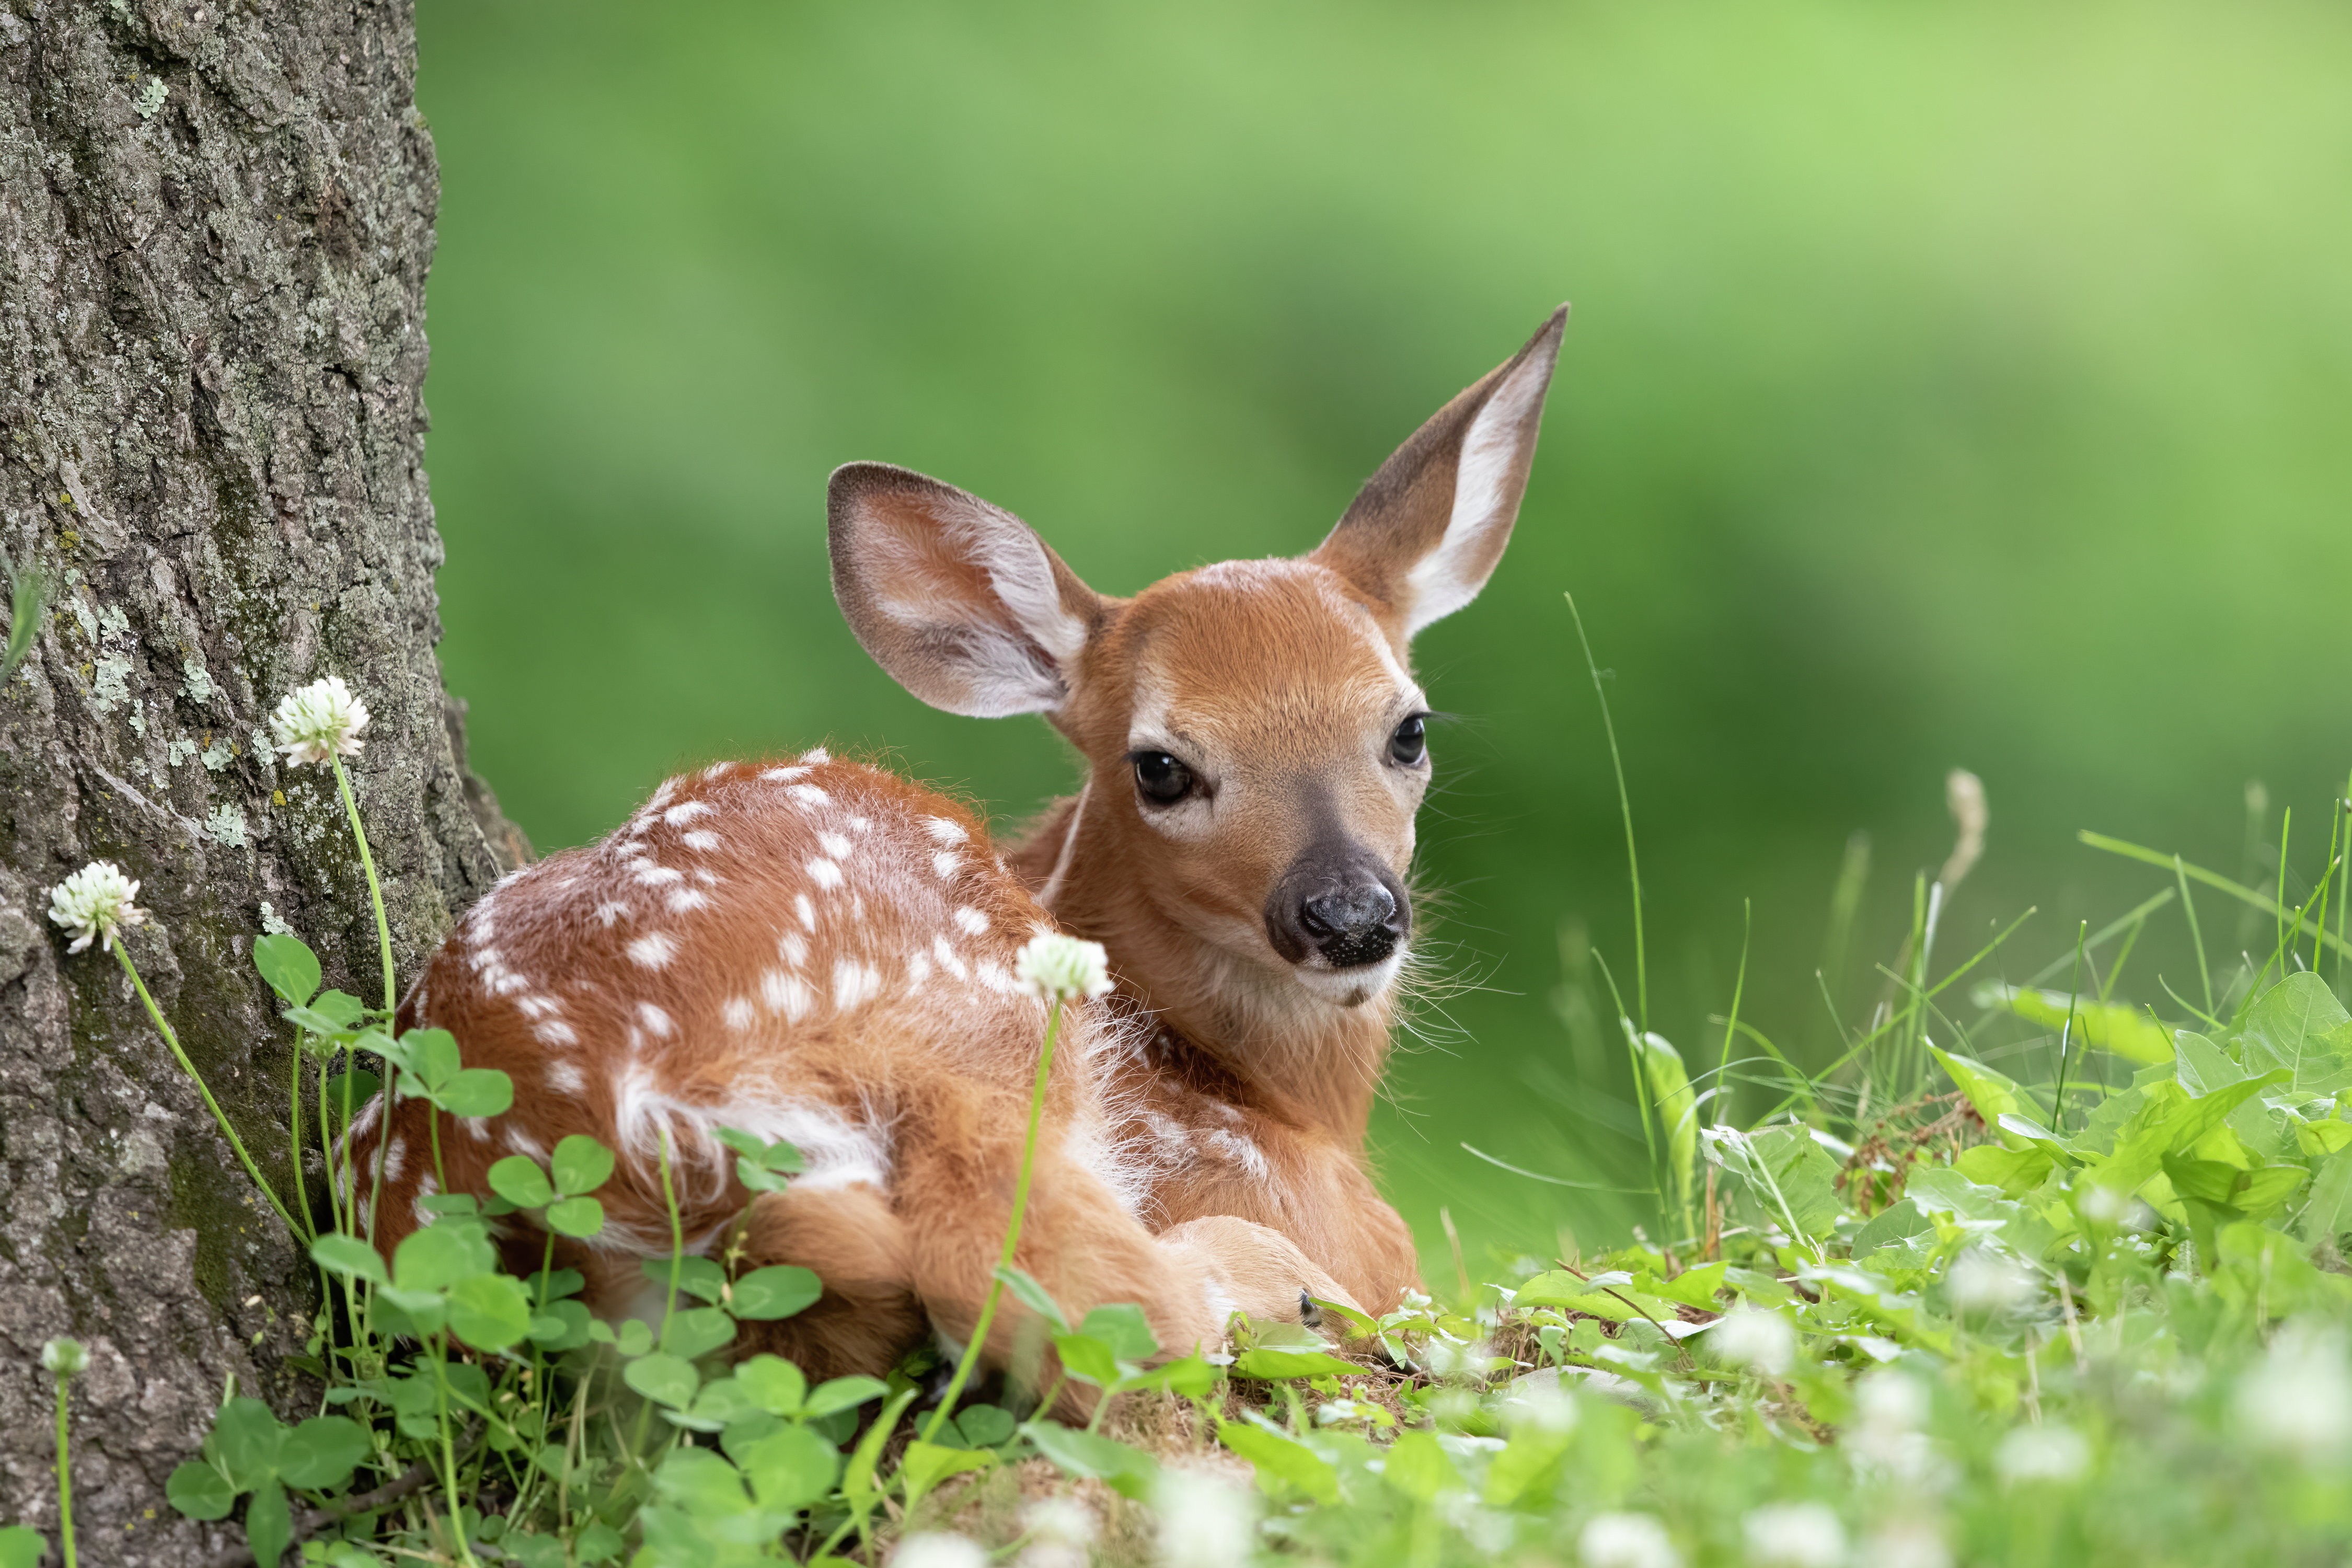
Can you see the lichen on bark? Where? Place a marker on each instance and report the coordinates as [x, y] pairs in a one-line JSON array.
[[215, 220]]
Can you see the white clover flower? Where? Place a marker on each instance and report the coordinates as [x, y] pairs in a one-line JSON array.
[[94, 903], [2299, 1400], [1981, 1279], [66, 1358], [2042, 1454], [1907, 1543], [2106, 1205], [1205, 1521], [1761, 1341], [1890, 1407], [1891, 1401], [1795, 1535], [322, 719], [935, 1549], [1059, 1530], [1626, 1541], [1058, 967]]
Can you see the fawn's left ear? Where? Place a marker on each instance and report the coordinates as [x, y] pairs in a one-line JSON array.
[[1425, 533], [962, 604]]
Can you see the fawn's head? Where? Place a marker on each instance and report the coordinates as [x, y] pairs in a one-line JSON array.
[[1253, 728]]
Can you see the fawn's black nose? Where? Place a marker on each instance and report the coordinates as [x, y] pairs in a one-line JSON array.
[[1345, 908]]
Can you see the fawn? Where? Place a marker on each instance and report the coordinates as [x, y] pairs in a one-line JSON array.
[[818, 951]]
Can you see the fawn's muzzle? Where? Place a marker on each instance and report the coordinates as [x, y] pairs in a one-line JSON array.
[[1346, 909]]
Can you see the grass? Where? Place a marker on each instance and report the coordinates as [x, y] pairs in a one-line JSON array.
[[2051, 1276]]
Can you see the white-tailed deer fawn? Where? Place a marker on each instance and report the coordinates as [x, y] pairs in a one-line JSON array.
[[814, 950]]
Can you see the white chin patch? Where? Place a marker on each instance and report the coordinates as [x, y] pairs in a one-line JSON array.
[[1350, 987]]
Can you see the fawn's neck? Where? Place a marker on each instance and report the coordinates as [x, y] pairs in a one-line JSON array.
[[1312, 1059]]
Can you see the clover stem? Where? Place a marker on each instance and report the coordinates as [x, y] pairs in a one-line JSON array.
[[375, 892], [122, 952], [448, 1446], [1011, 1230], [65, 1480]]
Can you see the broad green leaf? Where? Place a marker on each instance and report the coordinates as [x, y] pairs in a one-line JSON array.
[[1992, 1095], [1804, 1173], [1265, 1363], [2168, 1122], [246, 1439], [2014, 1171], [701, 1482], [365, 1087], [841, 1394], [450, 1202], [696, 1332], [2199, 1066], [1125, 1330], [925, 1465], [520, 1181], [1534, 1454], [321, 1452], [1035, 1296], [22, 1546], [1359, 1325], [1190, 1376], [1086, 1455], [575, 1216], [1419, 1468], [778, 1290], [478, 1091], [268, 1523], [788, 1468], [985, 1425], [636, 1337], [1281, 1462], [772, 1384], [287, 962], [580, 1165], [857, 1476], [2328, 1212], [350, 1257], [1088, 1359], [430, 1057], [1676, 1104], [2316, 1139], [559, 1326], [701, 1277], [1692, 1287], [341, 1007], [1897, 1226], [489, 1311], [663, 1378], [779, 1155], [2116, 1026], [2298, 1026], [199, 1491], [440, 1255]]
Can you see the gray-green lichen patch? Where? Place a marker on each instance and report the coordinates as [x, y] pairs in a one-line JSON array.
[[226, 825]]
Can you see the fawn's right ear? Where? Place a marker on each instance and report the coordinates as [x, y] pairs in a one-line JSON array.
[[959, 601]]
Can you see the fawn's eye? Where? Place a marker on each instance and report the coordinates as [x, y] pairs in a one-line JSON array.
[[1161, 777], [1409, 744]]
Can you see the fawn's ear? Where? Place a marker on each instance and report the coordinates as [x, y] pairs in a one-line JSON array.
[[959, 602], [1423, 534]]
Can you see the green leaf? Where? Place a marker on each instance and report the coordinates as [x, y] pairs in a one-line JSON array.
[[1089, 1456], [478, 1091], [364, 1086], [441, 1255], [580, 1165], [1992, 1095], [1419, 1468], [925, 1465], [429, 1060], [350, 1257], [636, 1337], [321, 1453], [2014, 1171], [200, 1491], [2117, 1027], [1281, 1462], [778, 1290], [269, 1524], [1359, 1326], [245, 1439], [1088, 1359], [701, 1482], [663, 1378], [1034, 1296], [841, 1394], [788, 1468], [1676, 1105], [2171, 1123], [700, 1278], [575, 1216], [1265, 1363], [772, 1384], [779, 1155], [22, 1546], [1190, 1376], [985, 1425], [520, 1181], [2328, 1212], [563, 1326], [1902, 1231], [2201, 1067], [489, 1311], [2299, 1026], [1124, 1329], [857, 1486], [289, 966], [1803, 1173], [696, 1332]]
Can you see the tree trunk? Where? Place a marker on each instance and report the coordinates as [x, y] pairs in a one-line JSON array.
[[215, 217]]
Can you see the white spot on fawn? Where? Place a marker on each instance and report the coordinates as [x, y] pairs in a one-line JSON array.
[[792, 948], [835, 844], [786, 993], [661, 795], [655, 875], [478, 1128], [716, 769], [854, 984], [564, 1078], [658, 1022], [825, 873], [971, 920], [685, 812], [918, 969], [782, 776], [396, 1159], [537, 1007], [809, 794], [686, 900], [860, 825], [806, 910], [488, 958], [816, 755], [946, 954], [702, 838], [946, 863], [993, 976], [554, 1032], [738, 1012], [607, 913], [654, 949], [945, 831]]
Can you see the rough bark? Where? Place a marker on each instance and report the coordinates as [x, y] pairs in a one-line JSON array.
[[216, 218]]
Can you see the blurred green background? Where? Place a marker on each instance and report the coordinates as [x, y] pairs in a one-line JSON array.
[[1946, 385]]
